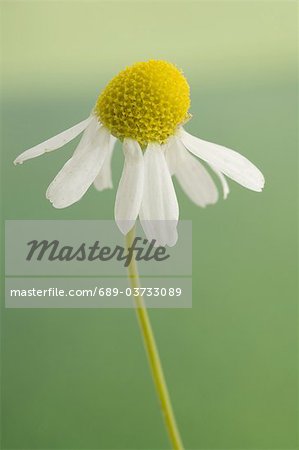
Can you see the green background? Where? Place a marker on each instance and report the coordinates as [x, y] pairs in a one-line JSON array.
[[79, 379]]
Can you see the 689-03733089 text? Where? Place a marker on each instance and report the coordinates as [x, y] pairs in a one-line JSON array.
[[99, 291]]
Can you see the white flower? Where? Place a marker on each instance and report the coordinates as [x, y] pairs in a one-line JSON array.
[[155, 145]]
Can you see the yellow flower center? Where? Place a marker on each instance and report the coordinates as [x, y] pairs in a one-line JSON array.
[[145, 102]]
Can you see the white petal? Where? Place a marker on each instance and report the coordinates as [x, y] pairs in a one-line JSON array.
[[88, 135], [104, 177], [130, 188], [171, 156], [193, 177], [227, 161], [80, 170], [223, 181], [159, 211], [55, 142]]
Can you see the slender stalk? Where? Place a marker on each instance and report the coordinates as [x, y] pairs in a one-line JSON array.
[[152, 353]]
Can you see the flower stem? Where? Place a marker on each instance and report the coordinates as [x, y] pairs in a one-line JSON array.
[[152, 352]]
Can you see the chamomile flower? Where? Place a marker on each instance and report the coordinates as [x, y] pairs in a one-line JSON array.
[[146, 107]]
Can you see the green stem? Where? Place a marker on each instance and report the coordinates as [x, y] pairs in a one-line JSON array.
[[152, 353]]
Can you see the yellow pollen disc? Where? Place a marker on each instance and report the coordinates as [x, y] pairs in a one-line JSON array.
[[145, 102]]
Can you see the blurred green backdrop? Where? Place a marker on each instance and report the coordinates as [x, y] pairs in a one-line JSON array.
[[79, 379]]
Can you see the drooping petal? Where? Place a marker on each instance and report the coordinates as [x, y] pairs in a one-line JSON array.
[[104, 177], [227, 161], [171, 155], [223, 181], [80, 170], [159, 211], [130, 188], [193, 177], [55, 142], [88, 135]]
